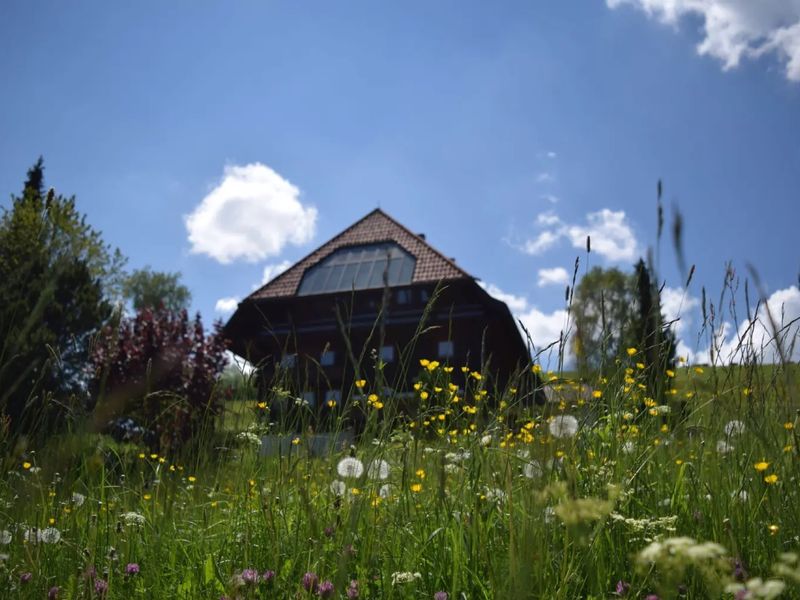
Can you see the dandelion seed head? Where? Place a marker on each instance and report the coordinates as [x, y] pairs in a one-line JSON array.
[[563, 426], [350, 467]]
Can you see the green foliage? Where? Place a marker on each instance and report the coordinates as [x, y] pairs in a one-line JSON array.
[[604, 309], [57, 281], [614, 311], [155, 290]]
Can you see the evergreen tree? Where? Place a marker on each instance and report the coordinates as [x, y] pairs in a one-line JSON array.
[[57, 282]]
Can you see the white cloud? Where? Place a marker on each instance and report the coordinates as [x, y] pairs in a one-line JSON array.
[[548, 219], [551, 154], [736, 29], [612, 236], [226, 305], [757, 338], [544, 241], [252, 214], [545, 177], [554, 276], [677, 306], [272, 271], [515, 303], [544, 328], [552, 199]]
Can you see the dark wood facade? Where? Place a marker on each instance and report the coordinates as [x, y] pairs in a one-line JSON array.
[[320, 342]]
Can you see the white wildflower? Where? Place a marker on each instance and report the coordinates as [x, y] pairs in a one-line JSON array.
[[757, 588], [385, 491], [248, 437], [338, 488], [563, 426], [663, 409], [450, 468], [5, 537], [532, 470], [350, 467], [734, 427], [400, 577], [494, 494], [49, 535], [30, 535], [628, 447], [78, 499], [549, 514], [378, 469], [133, 519], [723, 447], [486, 440]]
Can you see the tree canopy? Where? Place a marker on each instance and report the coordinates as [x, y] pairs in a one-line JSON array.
[[615, 311], [154, 290], [58, 280]]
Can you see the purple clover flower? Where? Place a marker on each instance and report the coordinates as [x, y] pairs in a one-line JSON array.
[[268, 576], [132, 569], [52, 594], [25, 577], [101, 587], [352, 590], [311, 582], [622, 589], [326, 589], [249, 576], [440, 596]]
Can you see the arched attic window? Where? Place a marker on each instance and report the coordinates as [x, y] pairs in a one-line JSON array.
[[359, 267]]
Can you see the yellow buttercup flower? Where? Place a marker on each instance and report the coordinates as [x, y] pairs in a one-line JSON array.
[[360, 383], [416, 488], [631, 351], [26, 465], [597, 394], [771, 479], [761, 466]]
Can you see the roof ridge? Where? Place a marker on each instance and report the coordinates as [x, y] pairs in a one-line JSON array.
[[291, 279]]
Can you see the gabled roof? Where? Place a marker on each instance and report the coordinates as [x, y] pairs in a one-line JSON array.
[[377, 226]]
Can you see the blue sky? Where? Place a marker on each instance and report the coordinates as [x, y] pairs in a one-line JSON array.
[[504, 132]]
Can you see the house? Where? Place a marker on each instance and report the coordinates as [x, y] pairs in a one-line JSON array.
[[374, 294]]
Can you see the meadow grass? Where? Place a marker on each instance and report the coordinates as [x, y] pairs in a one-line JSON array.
[[590, 496]]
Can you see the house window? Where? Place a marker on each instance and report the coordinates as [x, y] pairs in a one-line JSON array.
[[387, 354], [358, 268], [403, 296], [446, 349], [310, 398], [288, 361], [327, 358], [424, 295]]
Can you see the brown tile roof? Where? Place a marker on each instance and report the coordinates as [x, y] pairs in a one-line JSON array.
[[377, 226]]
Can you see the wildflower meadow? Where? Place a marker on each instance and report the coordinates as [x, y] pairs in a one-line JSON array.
[[602, 492]]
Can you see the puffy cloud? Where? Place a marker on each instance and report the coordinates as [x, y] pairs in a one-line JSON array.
[[515, 304], [611, 234], [544, 328], [678, 306], [736, 29], [554, 276], [226, 306], [544, 241], [272, 271], [775, 324], [252, 214]]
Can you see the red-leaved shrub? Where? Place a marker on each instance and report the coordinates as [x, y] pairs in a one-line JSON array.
[[157, 371]]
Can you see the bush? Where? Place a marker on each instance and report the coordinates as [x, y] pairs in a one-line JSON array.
[[160, 371]]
